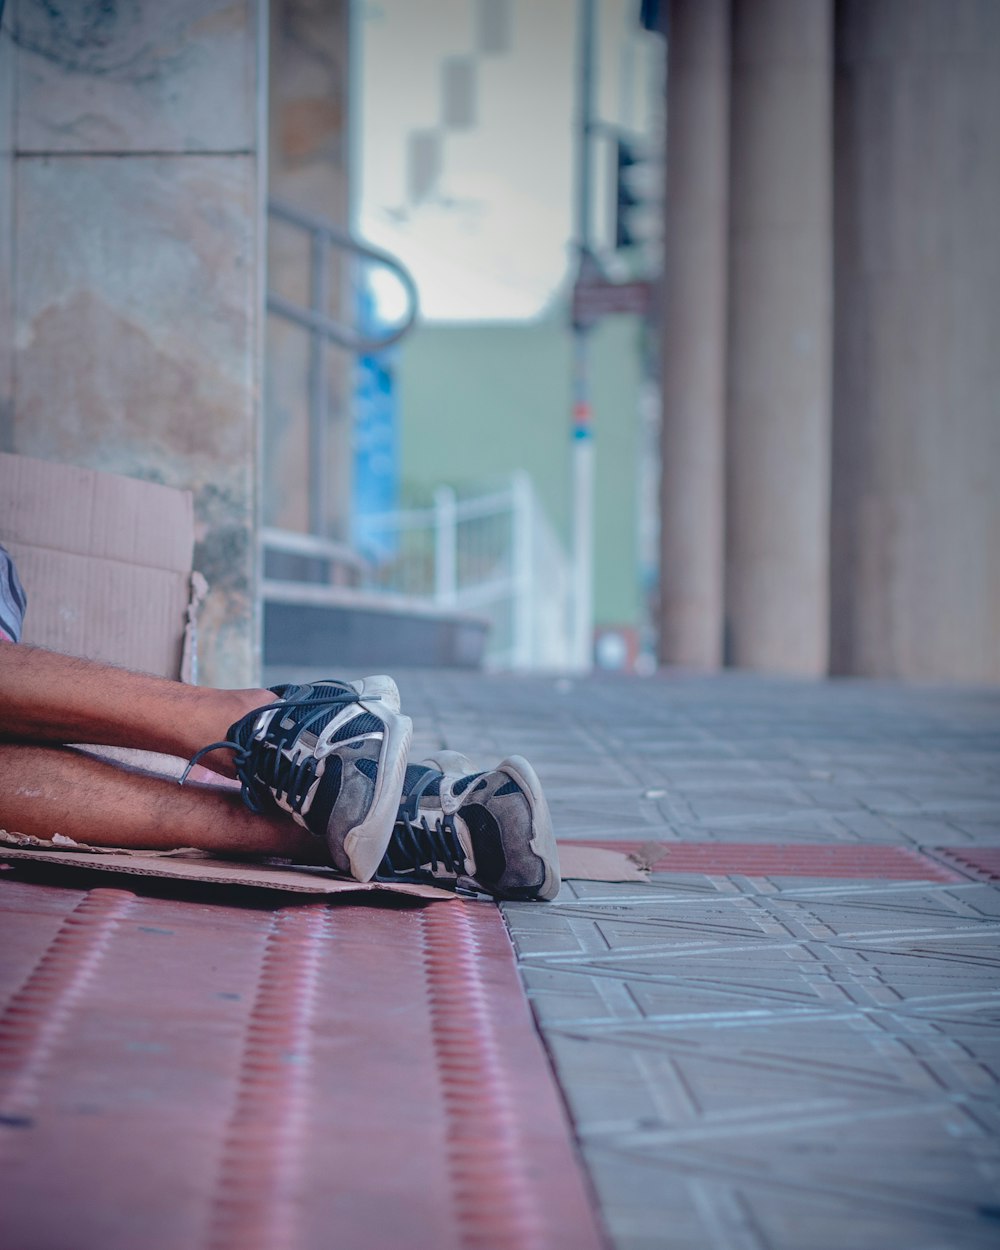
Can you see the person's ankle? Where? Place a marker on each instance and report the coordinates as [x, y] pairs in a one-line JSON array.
[[222, 710], [246, 701]]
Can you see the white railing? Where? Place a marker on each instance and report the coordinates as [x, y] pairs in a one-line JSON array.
[[495, 556]]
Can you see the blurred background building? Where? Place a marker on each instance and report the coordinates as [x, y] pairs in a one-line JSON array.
[[215, 216]]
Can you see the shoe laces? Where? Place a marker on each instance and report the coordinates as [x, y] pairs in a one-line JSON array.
[[415, 843], [274, 770]]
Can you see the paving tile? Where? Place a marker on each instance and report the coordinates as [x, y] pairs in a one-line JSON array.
[[755, 1059], [176, 1075], [758, 1051], [981, 862], [776, 859]]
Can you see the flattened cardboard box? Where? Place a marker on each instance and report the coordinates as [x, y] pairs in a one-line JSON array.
[[188, 865], [105, 561]]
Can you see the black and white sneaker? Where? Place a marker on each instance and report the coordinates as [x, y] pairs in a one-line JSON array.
[[13, 600], [488, 831], [333, 755]]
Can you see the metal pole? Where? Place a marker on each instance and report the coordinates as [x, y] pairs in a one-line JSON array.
[[583, 506], [318, 390], [445, 547], [582, 425], [525, 594], [586, 107]]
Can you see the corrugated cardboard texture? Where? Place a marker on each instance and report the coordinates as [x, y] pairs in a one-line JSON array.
[[105, 561], [206, 870], [578, 863]]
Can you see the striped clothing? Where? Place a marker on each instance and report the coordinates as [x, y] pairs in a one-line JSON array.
[[12, 599]]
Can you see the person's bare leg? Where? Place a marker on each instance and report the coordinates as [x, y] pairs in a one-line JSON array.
[[50, 698], [49, 790]]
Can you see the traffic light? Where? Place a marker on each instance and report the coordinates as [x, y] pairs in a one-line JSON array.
[[625, 197], [638, 198]]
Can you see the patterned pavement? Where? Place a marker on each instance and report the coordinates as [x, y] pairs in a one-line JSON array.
[[759, 1050], [212, 1070]]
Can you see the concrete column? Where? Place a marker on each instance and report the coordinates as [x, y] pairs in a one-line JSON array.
[[780, 334], [308, 168], [137, 219], [692, 505], [916, 523]]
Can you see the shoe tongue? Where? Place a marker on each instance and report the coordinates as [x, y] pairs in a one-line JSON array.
[[466, 843], [415, 773], [463, 783]]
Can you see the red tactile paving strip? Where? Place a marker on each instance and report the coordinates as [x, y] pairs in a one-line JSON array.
[[177, 1075], [982, 862], [766, 859]]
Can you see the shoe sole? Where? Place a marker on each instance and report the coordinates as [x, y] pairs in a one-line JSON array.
[[543, 843], [543, 840], [366, 843]]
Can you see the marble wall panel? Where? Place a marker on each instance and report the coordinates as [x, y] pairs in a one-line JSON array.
[[136, 77], [136, 335]]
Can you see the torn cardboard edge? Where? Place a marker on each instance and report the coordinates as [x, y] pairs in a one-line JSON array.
[[191, 865], [598, 863]]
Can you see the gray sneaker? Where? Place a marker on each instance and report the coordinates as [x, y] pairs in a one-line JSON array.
[[333, 755], [488, 831]]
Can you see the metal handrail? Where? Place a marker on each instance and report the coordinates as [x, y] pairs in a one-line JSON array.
[[324, 235], [324, 330]]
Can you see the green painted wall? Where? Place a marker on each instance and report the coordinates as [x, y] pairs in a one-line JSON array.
[[478, 401]]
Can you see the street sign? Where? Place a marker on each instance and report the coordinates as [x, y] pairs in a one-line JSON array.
[[597, 298]]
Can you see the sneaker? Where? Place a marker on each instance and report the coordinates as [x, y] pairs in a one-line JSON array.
[[13, 600], [333, 755], [488, 831]]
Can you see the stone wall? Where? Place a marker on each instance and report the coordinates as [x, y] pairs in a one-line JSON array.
[[133, 177]]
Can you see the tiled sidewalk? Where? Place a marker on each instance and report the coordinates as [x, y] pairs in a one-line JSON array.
[[787, 1041], [755, 1057], [205, 1070]]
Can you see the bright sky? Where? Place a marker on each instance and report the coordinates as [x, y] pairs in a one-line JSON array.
[[492, 239]]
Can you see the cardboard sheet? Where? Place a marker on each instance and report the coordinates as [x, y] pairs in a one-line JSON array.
[[105, 561], [186, 864], [196, 866], [597, 863]]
